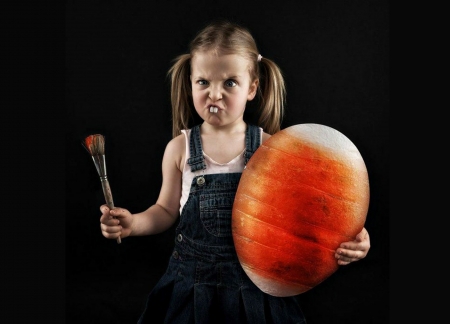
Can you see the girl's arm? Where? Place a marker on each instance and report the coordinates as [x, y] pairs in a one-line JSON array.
[[165, 211], [160, 216]]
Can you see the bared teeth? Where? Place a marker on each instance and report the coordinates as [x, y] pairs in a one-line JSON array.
[[213, 109]]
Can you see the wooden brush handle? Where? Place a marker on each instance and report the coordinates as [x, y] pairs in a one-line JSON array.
[[108, 197]]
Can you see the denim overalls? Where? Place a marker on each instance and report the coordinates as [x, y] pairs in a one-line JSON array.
[[204, 281]]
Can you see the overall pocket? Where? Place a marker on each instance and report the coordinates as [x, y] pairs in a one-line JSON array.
[[215, 213]]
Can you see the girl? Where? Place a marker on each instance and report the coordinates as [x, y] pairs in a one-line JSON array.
[[201, 167]]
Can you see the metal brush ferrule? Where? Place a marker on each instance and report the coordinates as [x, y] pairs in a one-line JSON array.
[[100, 164]]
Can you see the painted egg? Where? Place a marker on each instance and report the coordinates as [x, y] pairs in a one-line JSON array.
[[304, 191]]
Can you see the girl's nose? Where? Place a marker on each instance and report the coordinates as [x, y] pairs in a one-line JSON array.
[[215, 93]]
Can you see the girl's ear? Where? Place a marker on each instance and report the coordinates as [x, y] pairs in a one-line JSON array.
[[252, 90]]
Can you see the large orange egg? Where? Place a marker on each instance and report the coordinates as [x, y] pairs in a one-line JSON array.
[[304, 192]]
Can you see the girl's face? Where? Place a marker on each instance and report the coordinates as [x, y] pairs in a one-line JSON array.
[[221, 87]]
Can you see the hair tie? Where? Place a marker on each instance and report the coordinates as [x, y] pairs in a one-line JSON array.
[[259, 57]]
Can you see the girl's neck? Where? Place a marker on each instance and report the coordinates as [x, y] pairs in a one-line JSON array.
[[225, 143]]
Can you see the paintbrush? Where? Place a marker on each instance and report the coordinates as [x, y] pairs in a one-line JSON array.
[[95, 145]]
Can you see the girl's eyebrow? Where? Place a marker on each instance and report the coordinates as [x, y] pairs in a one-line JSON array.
[[234, 76], [200, 77]]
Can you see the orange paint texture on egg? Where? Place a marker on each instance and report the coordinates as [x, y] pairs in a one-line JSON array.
[[303, 192]]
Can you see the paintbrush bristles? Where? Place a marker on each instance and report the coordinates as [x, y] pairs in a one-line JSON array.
[[95, 144]]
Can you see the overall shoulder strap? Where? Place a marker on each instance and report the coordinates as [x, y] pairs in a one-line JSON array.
[[196, 161], [252, 141]]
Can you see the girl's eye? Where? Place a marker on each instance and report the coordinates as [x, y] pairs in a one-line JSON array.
[[202, 82], [230, 83]]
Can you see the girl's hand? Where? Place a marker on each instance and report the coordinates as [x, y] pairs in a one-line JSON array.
[[116, 222], [354, 250]]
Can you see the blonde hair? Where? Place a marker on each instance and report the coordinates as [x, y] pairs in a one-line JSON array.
[[224, 37]]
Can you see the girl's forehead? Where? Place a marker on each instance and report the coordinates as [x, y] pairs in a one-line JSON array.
[[204, 61]]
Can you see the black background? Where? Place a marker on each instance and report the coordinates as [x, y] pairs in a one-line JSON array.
[[335, 59]]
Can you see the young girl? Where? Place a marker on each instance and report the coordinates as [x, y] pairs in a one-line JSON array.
[[201, 167]]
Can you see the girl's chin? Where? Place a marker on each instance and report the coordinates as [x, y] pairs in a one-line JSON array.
[[214, 120]]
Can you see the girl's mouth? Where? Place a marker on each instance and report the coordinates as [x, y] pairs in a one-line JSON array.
[[213, 109]]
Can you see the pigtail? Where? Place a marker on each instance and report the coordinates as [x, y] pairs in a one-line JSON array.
[[180, 93], [273, 96]]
